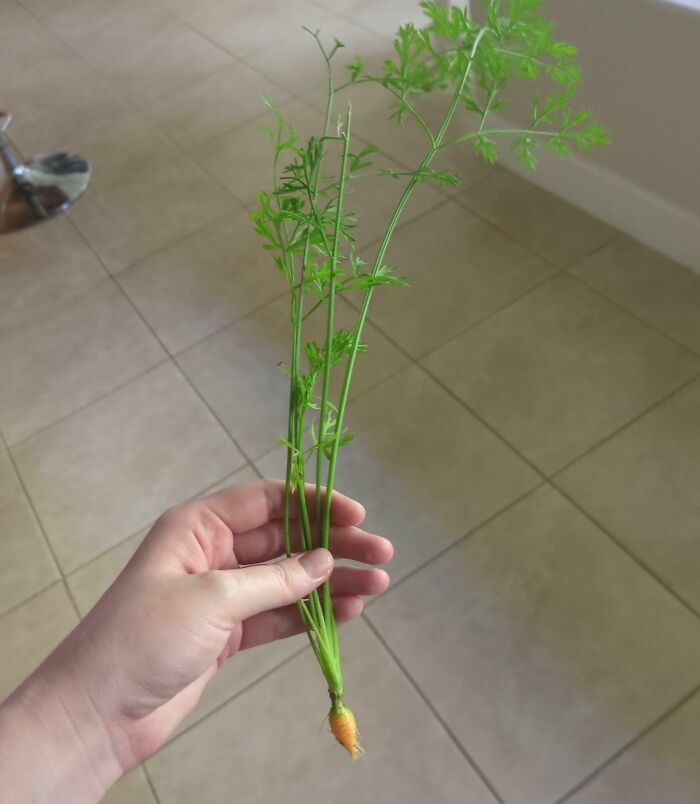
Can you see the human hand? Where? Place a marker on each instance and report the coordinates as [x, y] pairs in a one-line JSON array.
[[138, 662]]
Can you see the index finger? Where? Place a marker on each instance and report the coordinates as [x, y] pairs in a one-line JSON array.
[[251, 505]]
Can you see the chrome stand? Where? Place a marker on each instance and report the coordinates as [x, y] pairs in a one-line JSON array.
[[36, 190]]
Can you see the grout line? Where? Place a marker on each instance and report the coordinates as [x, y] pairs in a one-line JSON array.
[[235, 695], [31, 597], [51, 550], [459, 198], [596, 250], [175, 363], [161, 249], [431, 706], [629, 744], [626, 550], [150, 783], [629, 311], [642, 565], [483, 523], [86, 405], [481, 420], [662, 401], [496, 311], [227, 325], [188, 381], [201, 493]]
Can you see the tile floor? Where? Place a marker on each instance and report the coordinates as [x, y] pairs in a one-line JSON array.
[[527, 421]]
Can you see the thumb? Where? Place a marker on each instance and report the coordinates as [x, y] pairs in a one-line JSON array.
[[259, 588]]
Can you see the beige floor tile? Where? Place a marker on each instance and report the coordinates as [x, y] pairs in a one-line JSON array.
[[244, 27], [386, 17], [78, 352], [424, 468], [23, 39], [539, 625], [141, 48], [210, 279], [372, 107], [245, 475], [560, 370], [29, 633], [237, 371], [662, 766], [295, 61], [214, 105], [653, 287], [241, 671], [549, 225], [131, 789], [149, 209], [475, 270], [41, 267], [88, 583], [46, 79], [108, 133], [642, 485], [241, 160], [43, 8], [26, 565], [109, 470], [278, 723], [340, 6]]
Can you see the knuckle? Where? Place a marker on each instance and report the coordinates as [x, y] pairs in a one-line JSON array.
[[283, 577]]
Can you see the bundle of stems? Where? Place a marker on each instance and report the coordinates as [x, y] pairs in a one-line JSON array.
[[304, 222]]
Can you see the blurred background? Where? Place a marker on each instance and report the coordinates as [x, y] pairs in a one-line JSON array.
[[527, 416]]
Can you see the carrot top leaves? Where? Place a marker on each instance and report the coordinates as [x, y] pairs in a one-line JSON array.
[[303, 221]]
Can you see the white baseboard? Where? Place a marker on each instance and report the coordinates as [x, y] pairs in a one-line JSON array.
[[634, 210]]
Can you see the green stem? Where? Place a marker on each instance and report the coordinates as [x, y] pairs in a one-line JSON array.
[[407, 104], [330, 321], [486, 132], [324, 527], [315, 623], [377, 265]]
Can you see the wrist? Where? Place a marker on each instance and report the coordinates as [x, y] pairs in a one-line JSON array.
[[54, 746]]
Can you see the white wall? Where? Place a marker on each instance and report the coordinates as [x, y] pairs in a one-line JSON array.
[[641, 76]]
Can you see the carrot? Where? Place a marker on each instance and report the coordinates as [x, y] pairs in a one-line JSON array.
[[344, 728]]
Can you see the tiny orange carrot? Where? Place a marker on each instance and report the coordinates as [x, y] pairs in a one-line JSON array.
[[344, 728]]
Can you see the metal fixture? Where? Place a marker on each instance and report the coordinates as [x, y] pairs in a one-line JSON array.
[[38, 189]]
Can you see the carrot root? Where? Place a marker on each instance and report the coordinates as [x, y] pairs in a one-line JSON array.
[[344, 728]]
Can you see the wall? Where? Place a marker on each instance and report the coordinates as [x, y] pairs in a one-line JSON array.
[[641, 75]]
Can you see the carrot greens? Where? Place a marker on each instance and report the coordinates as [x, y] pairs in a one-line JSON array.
[[304, 223]]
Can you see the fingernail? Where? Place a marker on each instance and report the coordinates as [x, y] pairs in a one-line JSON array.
[[316, 563]]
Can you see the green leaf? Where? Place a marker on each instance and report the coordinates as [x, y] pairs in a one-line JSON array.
[[486, 149], [359, 160], [591, 135], [562, 50], [522, 148], [356, 68], [565, 73], [517, 9]]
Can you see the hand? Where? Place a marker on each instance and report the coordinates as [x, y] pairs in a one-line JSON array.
[[185, 603]]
